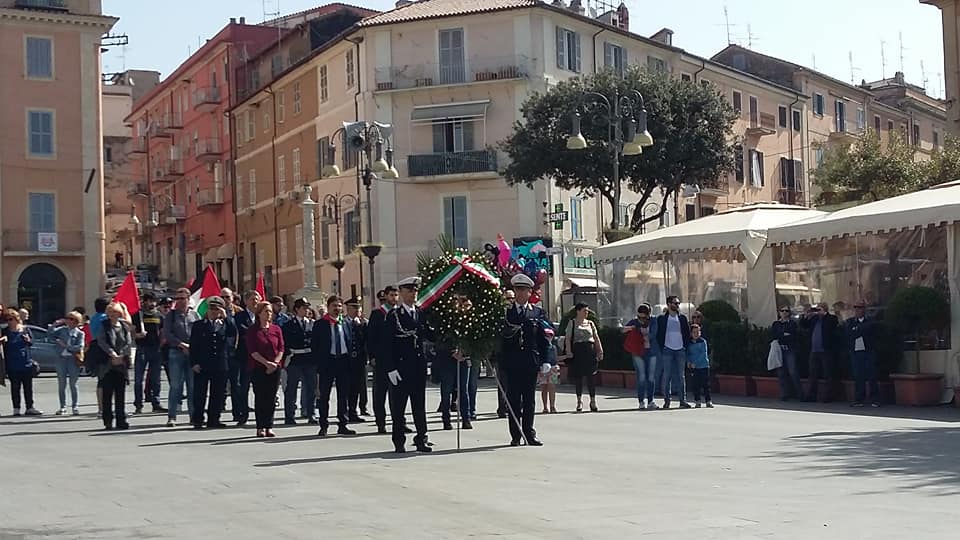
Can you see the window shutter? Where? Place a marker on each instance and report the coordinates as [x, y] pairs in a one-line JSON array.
[[798, 175], [561, 50], [623, 60], [576, 50], [439, 146], [760, 166], [607, 55], [448, 217], [468, 136], [786, 171], [460, 221]]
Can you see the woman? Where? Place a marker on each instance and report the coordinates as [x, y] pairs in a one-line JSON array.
[[645, 364], [264, 342], [70, 344], [114, 342], [584, 343], [17, 341], [786, 332]]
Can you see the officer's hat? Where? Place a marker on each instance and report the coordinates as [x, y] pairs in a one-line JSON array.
[[353, 301], [216, 301], [412, 283], [300, 302], [521, 280]]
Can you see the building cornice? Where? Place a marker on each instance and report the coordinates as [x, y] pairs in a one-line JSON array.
[[52, 17]]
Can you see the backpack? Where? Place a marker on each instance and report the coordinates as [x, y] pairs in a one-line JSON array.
[[93, 356]]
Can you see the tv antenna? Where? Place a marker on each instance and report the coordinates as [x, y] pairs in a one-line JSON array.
[[726, 20], [853, 70], [923, 76], [902, 50], [883, 59]]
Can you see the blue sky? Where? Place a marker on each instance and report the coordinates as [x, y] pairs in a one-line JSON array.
[[825, 30]]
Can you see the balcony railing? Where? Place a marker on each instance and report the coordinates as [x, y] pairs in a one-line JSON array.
[[791, 196], [137, 145], [212, 197], [63, 242], [137, 189], [206, 99], [716, 185], [477, 161], [207, 150], [473, 70], [170, 170], [172, 121], [173, 214], [762, 124], [52, 5]]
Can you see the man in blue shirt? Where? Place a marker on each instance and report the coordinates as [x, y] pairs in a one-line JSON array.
[[824, 331]]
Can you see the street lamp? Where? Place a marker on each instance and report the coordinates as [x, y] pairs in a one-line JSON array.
[[332, 213], [629, 108]]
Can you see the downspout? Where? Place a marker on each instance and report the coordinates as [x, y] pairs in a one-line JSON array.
[[594, 40], [236, 271], [356, 118], [276, 187], [793, 129]]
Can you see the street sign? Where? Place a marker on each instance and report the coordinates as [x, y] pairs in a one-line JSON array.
[[554, 251], [559, 216]]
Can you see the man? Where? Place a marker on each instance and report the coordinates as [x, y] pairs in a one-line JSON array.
[[280, 315], [301, 365], [332, 342], [209, 343], [823, 328], [176, 330], [358, 361], [861, 335], [406, 365], [238, 374], [673, 336], [378, 338], [511, 297], [25, 316], [523, 352], [147, 324]]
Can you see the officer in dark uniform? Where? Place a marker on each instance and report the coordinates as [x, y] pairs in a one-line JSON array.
[[524, 348], [378, 338], [358, 361], [406, 365], [301, 365], [208, 356]]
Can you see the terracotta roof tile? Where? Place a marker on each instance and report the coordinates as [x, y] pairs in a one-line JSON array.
[[431, 9]]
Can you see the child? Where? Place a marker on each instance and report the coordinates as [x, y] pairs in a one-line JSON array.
[[549, 376], [698, 360]]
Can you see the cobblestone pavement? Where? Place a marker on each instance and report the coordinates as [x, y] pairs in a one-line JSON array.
[[746, 469]]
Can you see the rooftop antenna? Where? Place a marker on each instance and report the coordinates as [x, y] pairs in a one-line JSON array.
[[883, 59], [902, 49], [813, 57], [923, 76], [726, 19], [271, 11], [853, 70], [941, 93], [749, 37]]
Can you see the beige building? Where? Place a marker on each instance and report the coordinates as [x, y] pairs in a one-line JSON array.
[[51, 173], [950, 11]]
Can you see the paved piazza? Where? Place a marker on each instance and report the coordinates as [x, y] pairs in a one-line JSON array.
[[747, 469]]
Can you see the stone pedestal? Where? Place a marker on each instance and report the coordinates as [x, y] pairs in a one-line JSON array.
[[310, 290]]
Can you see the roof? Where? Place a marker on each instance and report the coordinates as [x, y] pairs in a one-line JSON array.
[[744, 227], [432, 9], [933, 206]]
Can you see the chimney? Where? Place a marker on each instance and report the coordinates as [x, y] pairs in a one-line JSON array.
[[900, 78], [403, 3], [664, 36], [558, 3], [623, 14], [243, 20], [576, 7], [233, 20]]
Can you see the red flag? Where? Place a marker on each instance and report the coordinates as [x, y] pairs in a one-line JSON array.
[[260, 288], [128, 294]]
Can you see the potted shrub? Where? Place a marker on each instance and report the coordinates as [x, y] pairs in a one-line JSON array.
[[617, 363], [730, 360], [917, 312]]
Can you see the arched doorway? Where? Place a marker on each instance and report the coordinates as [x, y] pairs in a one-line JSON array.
[[42, 289]]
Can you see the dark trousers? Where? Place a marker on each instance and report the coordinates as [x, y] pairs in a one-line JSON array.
[[864, 371], [381, 386], [214, 382], [701, 384], [18, 380], [113, 384], [413, 388], [591, 386], [358, 385], [146, 363], [303, 372], [239, 378], [522, 393], [504, 379], [821, 365], [264, 396], [335, 370]]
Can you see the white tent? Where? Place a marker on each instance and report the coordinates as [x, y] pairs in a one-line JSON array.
[[743, 227]]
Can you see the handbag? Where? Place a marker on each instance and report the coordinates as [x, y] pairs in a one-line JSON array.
[[775, 356], [634, 343]]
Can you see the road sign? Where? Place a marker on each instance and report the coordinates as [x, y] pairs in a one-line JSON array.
[[554, 251], [559, 216]]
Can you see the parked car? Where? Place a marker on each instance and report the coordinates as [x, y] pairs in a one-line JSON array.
[[44, 348]]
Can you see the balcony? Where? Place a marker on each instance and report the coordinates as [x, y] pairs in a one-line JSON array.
[[472, 162], [762, 124], [137, 145], [210, 198], [28, 243], [719, 187], [474, 70], [169, 170], [173, 214], [847, 133], [207, 150], [172, 122], [206, 99], [791, 196], [47, 5], [137, 189]]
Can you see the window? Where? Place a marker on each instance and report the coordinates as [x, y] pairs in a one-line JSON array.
[[656, 65], [690, 212], [455, 136], [255, 79], [455, 220], [861, 119], [876, 123], [797, 120], [756, 169], [782, 116], [568, 50], [107, 154], [737, 101], [685, 77], [251, 125], [350, 158], [39, 58], [936, 140], [624, 215], [42, 213], [791, 174], [323, 150], [818, 156], [889, 125], [296, 98], [452, 69], [916, 134], [281, 107], [324, 92], [298, 243], [41, 133], [707, 211], [240, 191], [840, 120], [348, 61], [283, 249], [351, 231], [754, 110], [576, 218], [296, 167], [281, 173], [818, 104], [266, 119], [615, 58], [738, 162], [252, 183], [325, 241]]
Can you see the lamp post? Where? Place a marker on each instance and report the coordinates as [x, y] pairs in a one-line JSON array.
[[629, 108], [333, 205], [373, 141]]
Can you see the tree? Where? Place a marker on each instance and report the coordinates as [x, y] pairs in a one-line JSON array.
[[868, 170], [691, 125], [944, 164]]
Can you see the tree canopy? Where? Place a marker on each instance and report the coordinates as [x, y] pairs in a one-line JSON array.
[[691, 125], [867, 170]]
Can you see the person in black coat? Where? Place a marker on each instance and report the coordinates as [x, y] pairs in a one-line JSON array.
[[406, 365], [787, 333], [525, 347], [377, 338], [357, 404], [824, 330], [238, 374], [861, 335], [301, 365], [209, 343], [332, 344]]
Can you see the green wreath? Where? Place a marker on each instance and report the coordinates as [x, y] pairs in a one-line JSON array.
[[468, 313]]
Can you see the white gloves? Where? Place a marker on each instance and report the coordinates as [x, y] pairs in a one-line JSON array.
[[394, 377]]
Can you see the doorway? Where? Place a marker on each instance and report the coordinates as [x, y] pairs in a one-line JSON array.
[[42, 290]]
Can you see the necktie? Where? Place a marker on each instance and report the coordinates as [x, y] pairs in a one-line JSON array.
[[336, 336]]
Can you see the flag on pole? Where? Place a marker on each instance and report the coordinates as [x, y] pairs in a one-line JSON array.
[[260, 288], [128, 295], [204, 287]]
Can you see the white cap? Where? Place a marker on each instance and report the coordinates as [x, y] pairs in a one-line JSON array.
[[521, 280], [412, 282]]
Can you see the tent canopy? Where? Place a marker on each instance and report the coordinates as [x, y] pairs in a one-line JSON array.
[[938, 204], [744, 227]]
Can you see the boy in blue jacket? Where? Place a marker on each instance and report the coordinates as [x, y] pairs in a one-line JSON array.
[[699, 361]]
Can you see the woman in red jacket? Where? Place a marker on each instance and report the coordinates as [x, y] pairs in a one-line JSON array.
[[264, 342]]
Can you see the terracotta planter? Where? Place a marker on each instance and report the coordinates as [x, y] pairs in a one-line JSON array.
[[613, 379], [736, 385], [767, 387], [917, 389]]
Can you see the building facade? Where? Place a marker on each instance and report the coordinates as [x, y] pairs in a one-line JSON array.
[[950, 13], [51, 178]]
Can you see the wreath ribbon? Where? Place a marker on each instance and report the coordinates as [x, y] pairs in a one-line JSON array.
[[458, 267]]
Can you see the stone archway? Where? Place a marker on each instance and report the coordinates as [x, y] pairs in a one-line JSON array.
[[42, 289]]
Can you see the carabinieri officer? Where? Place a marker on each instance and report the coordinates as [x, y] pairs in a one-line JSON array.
[[524, 348]]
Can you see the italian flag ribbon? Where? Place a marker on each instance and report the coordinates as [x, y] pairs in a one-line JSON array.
[[459, 265]]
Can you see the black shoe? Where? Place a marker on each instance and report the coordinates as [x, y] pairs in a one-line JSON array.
[[399, 449], [447, 426], [381, 430], [515, 442], [108, 428], [198, 426], [467, 425], [364, 412], [313, 421], [344, 430], [322, 432], [533, 441], [501, 414], [159, 408], [289, 422], [242, 422], [216, 425], [440, 409], [357, 420], [407, 430], [684, 405], [424, 448]]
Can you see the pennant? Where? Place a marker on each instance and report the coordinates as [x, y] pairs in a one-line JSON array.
[[260, 288], [202, 289], [128, 295]]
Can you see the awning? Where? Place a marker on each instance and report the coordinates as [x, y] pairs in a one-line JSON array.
[[428, 114], [226, 251], [211, 255], [586, 283]]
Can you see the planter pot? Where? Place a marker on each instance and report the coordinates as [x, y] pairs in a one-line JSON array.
[[563, 375], [956, 396], [917, 389], [630, 379], [611, 378], [767, 387], [736, 385]]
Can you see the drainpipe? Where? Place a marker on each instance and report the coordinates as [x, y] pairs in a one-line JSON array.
[[594, 40], [356, 118], [792, 130], [236, 271], [276, 188]]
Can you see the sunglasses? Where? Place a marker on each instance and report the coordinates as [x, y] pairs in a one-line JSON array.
[[181, 298], [784, 311]]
